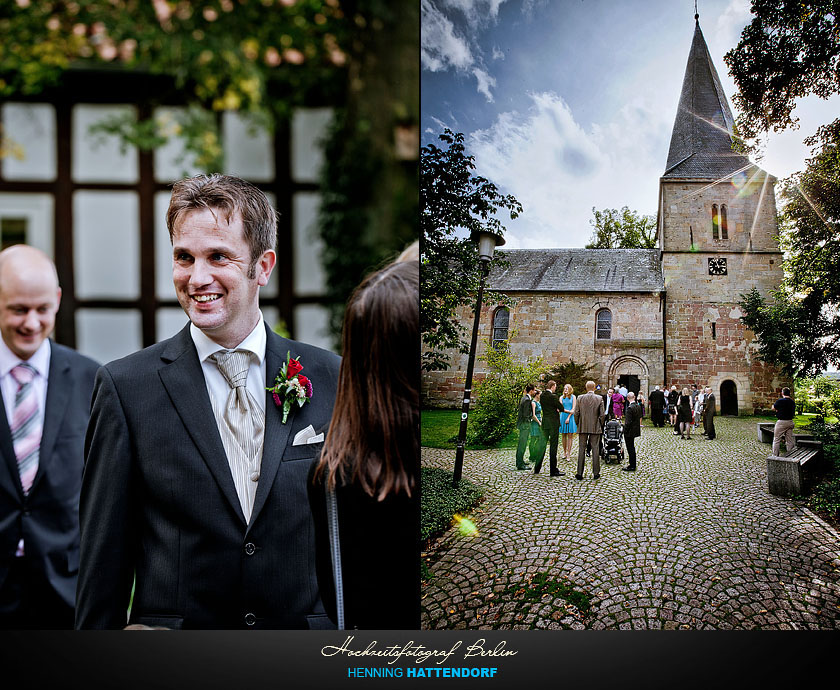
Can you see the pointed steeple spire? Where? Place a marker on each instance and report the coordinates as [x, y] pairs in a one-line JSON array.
[[701, 143]]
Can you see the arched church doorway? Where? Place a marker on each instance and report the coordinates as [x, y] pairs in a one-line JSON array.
[[630, 382], [728, 398]]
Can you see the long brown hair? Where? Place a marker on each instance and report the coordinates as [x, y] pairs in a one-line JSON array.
[[374, 435]]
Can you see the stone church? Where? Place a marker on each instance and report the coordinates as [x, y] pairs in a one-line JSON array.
[[647, 317]]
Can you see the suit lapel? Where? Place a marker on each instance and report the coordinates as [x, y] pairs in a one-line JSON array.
[[10, 479], [59, 385], [276, 433], [184, 382]]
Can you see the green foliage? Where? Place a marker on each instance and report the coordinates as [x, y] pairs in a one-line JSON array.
[[498, 395], [624, 229], [570, 372], [820, 395], [440, 501], [788, 51], [542, 589], [453, 202], [258, 57], [825, 497], [800, 329]]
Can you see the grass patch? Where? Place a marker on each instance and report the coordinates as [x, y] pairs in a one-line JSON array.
[[440, 501], [541, 588], [439, 429]]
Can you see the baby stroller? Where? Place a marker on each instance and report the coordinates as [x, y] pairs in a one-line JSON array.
[[612, 449]]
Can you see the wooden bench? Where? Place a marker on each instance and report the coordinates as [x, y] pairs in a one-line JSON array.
[[765, 433], [794, 474]]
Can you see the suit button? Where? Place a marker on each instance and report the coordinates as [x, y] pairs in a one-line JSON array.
[[250, 549], [250, 619]]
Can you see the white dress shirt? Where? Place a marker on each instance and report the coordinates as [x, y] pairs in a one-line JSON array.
[[244, 470], [217, 386]]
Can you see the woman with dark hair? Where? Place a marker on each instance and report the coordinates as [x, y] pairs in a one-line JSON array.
[[371, 458]]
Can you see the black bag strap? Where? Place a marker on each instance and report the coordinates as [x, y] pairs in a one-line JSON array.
[[335, 552]]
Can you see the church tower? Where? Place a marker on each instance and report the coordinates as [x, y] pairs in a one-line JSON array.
[[717, 233]]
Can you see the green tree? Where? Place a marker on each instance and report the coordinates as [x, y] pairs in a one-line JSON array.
[[789, 50], [570, 372], [799, 329], [624, 229], [498, 394], [453, 202]]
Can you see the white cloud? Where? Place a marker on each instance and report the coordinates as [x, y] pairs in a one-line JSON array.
[[558, 171], [498, 53], [441, 47], [731, 22], [485, 82], [477, 12]]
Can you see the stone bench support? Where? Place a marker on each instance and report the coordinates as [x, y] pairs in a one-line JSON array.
[[793, 474]]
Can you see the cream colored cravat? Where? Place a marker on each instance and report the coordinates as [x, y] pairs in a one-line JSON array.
[[241, 426]]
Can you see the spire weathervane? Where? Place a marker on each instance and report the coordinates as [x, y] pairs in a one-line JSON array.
[[696, 13]]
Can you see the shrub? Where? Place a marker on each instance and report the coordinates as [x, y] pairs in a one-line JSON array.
[[498, 394], [570, 372], [440, 501]]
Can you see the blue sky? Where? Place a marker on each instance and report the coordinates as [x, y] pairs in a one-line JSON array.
[[569, 104]]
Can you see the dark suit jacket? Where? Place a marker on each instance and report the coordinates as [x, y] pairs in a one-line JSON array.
[[656, 400], [551, 407], [524, 411], [48, 518], [709, 404], [632, 420], [158, 500]]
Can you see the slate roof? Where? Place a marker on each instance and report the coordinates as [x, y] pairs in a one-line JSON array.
[[701, 142], [579, 270]]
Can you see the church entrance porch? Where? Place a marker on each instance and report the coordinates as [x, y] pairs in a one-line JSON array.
[[729, 398]]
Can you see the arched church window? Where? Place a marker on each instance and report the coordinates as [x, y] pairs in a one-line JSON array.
[[501, 323], [603, 324], [724, 225], [715, 222]]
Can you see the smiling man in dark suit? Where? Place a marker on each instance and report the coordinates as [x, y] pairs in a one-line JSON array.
[[195, 481], [46, 391]]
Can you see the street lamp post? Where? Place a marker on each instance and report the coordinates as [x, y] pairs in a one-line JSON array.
[[487, 243]]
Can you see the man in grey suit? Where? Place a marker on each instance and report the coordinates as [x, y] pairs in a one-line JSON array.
[[45, 401], [195, 480], [590, 423]]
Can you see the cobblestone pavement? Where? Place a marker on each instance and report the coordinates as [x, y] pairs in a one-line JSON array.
[[690, 540]]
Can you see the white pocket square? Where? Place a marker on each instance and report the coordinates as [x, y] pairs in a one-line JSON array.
[[317, 439], [303, 436]]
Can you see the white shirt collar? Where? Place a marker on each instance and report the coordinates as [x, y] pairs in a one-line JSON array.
[[254, 342], [40, 361]]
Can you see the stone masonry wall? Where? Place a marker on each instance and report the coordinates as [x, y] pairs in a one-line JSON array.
[[695, 352], [561, 327]]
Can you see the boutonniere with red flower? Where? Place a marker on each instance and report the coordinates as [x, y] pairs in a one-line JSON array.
[[290, 386]]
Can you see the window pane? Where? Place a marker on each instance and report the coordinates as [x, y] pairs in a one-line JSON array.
[[106, 245], [108, 334], [308, 269], [99, 158], [309, 127], [312, 326], [30, 127], [167, 165], [169, 321], [249, 152], [36, 212]]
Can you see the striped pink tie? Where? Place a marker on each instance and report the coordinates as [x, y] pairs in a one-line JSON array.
[[26, 425]]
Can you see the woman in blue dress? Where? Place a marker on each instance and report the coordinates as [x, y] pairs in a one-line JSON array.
[[536, 443], [568, 427]]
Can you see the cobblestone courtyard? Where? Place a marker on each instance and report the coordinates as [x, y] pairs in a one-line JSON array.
[[691, 540]]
